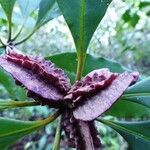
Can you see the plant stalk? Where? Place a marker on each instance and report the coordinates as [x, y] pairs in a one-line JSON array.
[[21, 29], [17, 35], [14, 104], [57, 136], [9, 30], [50, 119], [80, 66], [26, 38]]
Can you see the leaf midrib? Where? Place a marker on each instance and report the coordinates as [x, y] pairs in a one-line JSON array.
[[81, 26], [136, 102], [115, 126], [22, 130], [135, 94]]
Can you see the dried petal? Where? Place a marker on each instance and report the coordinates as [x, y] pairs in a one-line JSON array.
[[80, 134], [43, 81], [89, 86], [102, 101]]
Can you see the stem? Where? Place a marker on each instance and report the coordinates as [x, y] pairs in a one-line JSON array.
[[16, 36], [9, 30], [14, 104], [57, 136], [51, 118], [80, 49], [80, 67], [26, 38]]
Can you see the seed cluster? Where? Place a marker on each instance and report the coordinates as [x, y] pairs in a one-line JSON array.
[[81, 103]]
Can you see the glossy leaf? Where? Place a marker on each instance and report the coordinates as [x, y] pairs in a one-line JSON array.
[[83, 17], [137, 134], [12, 89], [28, 6], [139, 93], [48, 10], [70, 65], [142, 88], [128, 109], [143, 100], [7, 6], [12, 130]]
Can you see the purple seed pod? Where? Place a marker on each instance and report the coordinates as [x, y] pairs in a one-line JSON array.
[[103, 100], [68, 122], [79, 133], [42, 80], [45, 69], [95, 134], [89, 86]]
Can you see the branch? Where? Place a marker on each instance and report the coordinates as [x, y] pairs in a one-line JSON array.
[[13, 104], [50, 119], [57, 136]]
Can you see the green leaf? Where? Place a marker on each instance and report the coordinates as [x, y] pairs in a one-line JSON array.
[[143, 100], [92, 63], [15, 92], [83, 17], [144, 4], [28, 6], [131, 18], [136, 97], [48, 10], [12, 130], [126, 16], [134, 19], [137, 134], [5, 104], [139, 93], [128, 109], [148, 13], [7, 6], [141, 88]]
